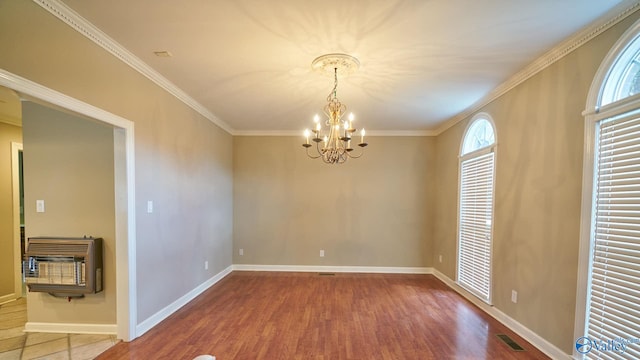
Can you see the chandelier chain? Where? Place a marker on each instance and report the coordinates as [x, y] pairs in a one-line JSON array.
[[334, 92]]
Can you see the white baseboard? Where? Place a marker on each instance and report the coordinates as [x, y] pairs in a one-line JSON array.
[[156, 318], [338, 269], [536, 340], [68, 328], [7, 298]]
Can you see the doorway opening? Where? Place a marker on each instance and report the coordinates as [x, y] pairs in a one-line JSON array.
[[124, 181]]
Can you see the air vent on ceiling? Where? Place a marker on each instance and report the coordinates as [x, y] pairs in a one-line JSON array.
[[162, 53]]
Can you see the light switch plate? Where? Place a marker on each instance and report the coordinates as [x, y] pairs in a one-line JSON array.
[[40, 206]]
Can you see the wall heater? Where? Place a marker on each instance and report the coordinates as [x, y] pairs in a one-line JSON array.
[[64, 267]]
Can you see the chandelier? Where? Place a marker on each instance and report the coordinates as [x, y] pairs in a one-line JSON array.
[[334, 146]]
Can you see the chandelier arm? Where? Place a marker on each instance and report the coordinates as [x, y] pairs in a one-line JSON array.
[[362, 146], [355, 156], [313, 156]]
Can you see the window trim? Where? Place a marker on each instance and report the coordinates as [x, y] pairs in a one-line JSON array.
[[476, 117], [609, 90], [461, 158], [605, 71], [594, 113]]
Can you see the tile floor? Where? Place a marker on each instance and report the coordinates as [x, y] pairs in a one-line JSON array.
[[15, 344]]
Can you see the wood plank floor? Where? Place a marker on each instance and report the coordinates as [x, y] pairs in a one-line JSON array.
[[266, 315]]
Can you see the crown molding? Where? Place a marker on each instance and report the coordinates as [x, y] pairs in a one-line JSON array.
[[84, 27], [90, 31], [81, 25], [268, 133], [369, 133], [561, 50], [401, 133]]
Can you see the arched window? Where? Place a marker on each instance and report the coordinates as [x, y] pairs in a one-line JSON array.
[[479, 135], [475, 216], [608, 311], [623, 79]]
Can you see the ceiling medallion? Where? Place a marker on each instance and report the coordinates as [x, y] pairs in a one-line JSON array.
[[336, 143], [326, 64]]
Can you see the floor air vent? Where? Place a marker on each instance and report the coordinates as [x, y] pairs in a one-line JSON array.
[[327, 274], [512, 344]]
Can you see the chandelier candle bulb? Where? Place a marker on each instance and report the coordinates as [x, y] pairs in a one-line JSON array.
[[362, 136], [306, 135]]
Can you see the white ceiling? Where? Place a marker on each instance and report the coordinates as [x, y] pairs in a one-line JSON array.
[[422, 61]]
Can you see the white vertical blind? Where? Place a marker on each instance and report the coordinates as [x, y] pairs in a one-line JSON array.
[[476, 212], [613, 303]]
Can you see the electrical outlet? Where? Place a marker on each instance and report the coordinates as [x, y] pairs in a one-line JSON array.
[[149, 207], [440, 258], [206, 265], [241, 252], [321, 253], [514, 296]]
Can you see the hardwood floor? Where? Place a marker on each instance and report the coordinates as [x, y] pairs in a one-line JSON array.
[[261, 315]]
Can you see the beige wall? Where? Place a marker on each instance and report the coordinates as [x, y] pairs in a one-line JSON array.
[[373, 211], [183, 161], [8, 134], [383, 210], [537, 195], [68, 163]]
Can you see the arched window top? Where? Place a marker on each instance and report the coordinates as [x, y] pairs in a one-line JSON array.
[[623, 80], [479, 135]]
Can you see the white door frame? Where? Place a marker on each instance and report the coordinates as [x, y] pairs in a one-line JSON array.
[[15, 193], [124, 165]]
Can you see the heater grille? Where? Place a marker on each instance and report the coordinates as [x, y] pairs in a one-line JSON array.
[[58, 249]]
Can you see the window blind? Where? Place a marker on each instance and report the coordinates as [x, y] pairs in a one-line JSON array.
[[613, 304], [476, 212]]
